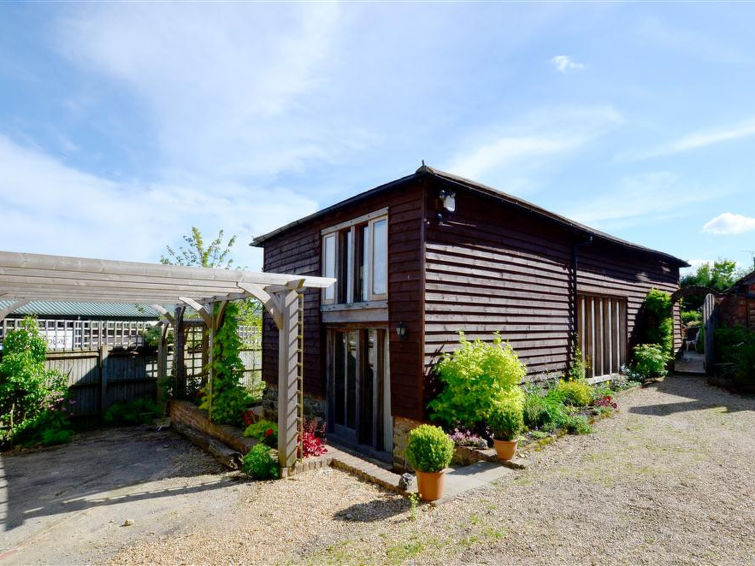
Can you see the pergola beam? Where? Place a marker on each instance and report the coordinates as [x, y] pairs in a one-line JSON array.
[[201, 310], [28, 277], [164, 312], [83, 266], [10, 308]]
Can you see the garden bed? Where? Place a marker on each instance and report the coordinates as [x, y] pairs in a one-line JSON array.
[[188, 414]]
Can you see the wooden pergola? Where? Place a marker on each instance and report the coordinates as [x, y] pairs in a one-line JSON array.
[[27, 277]]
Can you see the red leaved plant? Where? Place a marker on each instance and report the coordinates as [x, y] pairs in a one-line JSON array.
[[313, 439]]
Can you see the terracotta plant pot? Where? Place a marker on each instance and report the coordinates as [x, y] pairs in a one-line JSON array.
[[505, 448], [431, 484]]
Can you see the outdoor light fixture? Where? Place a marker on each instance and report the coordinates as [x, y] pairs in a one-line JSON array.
[[401, 331], [446, 204], [447, 200]]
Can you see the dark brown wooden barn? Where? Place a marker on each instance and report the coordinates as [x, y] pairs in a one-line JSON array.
[[431, 254]]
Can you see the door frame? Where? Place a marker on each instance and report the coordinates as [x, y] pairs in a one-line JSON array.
[[380, 401]]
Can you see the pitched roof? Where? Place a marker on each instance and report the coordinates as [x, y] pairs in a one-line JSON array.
[[99, 310], [473, 186]]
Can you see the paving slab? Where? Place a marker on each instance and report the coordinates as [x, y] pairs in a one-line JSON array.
[[467, 478]]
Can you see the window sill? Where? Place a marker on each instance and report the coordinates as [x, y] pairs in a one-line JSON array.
[[355, 306], [373, 311]]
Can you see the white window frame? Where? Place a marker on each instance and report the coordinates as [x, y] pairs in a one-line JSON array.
[[332, 231]]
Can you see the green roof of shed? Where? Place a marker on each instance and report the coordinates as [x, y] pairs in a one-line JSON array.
[[98, 310]]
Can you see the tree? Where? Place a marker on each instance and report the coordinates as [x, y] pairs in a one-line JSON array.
[[197, 254], [718, 276]]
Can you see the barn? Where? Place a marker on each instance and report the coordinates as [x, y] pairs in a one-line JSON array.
[[420, 259]]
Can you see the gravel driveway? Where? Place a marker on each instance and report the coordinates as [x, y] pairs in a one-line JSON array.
[[669, 479]]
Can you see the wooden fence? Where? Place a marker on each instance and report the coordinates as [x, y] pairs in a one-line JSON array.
[[98, 378], [106, 361]]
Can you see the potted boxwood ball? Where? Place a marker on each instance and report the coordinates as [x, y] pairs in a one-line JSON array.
[[429, 451], [506, 422]]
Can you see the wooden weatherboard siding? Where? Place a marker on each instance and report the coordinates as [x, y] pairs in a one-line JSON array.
[[495, 264], [298, 250], [490, 268], [493, 267]]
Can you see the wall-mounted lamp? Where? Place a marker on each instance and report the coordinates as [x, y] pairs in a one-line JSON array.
[[447, 200], [446, 204], [401, 331]]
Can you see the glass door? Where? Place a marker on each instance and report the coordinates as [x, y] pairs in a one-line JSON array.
[[358, 387]]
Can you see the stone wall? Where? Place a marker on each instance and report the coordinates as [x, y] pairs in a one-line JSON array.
[[313, 407], [188, 414], [401, 428]]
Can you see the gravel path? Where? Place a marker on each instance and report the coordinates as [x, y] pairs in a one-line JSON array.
[[669, 479]]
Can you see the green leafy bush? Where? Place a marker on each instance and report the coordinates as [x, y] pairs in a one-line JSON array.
[[650, 361], [264, 431], [736, 346], [227, 398], [153, 334], [138, 411], [33, 399], [429, 449], [691, 318], [260, 464], [506, 422], [543, 411], [576, 393], [476, 377], [659, 321], [577, 424]]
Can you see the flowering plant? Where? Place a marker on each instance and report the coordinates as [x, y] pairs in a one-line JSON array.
[[312, 439], [605, 401], [463, 437]]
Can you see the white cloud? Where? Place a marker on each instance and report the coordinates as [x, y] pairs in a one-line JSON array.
[[515, 154], [638, 198], [729, 223], [228, 90], [695, 140], [564, 64], [49, 207]]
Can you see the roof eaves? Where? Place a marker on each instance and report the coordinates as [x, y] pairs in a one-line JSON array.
[[259, 241], [562, 220]]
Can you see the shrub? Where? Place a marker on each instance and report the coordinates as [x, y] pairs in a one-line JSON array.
[[736, 345], [476, 377], [429, 449], [691, 318], [650, 361], [660, 324], [33, 399], [138, 411], [543, 411], [507, 421], [576, 393], [264, 431], [577, 424], [260, 464], [312, 442]]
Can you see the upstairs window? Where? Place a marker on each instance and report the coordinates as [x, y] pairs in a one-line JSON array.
[[356, 253]]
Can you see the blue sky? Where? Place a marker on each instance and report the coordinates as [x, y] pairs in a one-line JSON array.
[[123, 125]]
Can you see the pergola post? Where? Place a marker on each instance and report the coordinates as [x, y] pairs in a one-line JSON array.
[[289, 368], [179, 368], [27, 277]]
